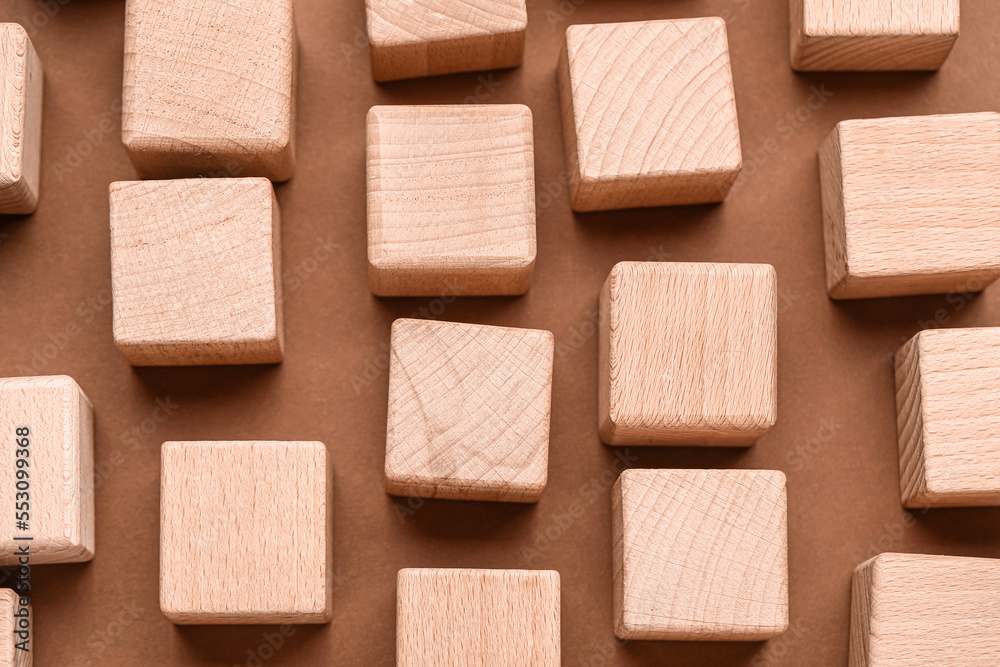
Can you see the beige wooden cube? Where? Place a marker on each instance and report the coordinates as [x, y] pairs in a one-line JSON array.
[[209, 88], [910, 205], [500, 618], [195, 269], [700, 554], [910, 610], [245, 532], [469, 410], [451, 200], [688, 354], [872, 35], [20, 121], [649, 114], [16, 630], [948, 418], [46, 471], [413, 38]]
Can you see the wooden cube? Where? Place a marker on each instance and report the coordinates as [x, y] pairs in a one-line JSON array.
[[649, 114], [948, 418], [245, 532], [700, 554], [451, 200], [910, 205], [209, 88], [412, 38], [16, 630], [469, 410], [46, 470], [688, 354], [910, 610], [20, 121], [873, 35], [501, 618], [195, 269]]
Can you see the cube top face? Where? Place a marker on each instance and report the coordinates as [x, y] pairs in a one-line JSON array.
[[394, 23], [506, 618], [10, 655], [700, 554], [20, 121], [689, 353], [451, 199], [195, 266], [879, 18], [469, 410], [245, 532]]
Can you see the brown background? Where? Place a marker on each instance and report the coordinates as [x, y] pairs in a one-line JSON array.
[[835, 432]]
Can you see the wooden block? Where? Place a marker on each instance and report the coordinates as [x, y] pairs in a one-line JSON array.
[[872, 35], [910, 610], [245, 532], [16, 630], [910, 205], [48, 422], [469, 410], [649, 114], [195, 268], [948, 418], [700, 554], [209, 88], [451, 200], [20, 121], [501, 618], [688, 354], [413, 38]]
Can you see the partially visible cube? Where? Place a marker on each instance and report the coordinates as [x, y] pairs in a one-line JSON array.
[[451, 200], [20, 121], [469, 409], [500, 618], [688, 354], [245, 532], [649, 114], [195, 271], [413, 38], [910, 205], [16, 630], [209, 88], [46, 470]]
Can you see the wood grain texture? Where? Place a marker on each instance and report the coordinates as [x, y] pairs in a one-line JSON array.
[[649, 114], [948, 418], [60, 419], [872, 35], [196, 267], [688, 354], [910, 205], [910, 610], [20, 121], [469, 409], [245, 532], [10, 655], [464, 618], [209, 88], [700, 554], [451, 200], [414, 38]]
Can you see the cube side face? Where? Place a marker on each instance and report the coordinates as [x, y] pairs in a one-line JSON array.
[[10, 653], [831, 177], [20, 121], [861, 607], [910, 424]]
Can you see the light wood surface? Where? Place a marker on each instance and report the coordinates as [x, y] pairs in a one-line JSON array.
[[910, 205], [20, 121], [469, 410], [872, 35], [948, 418], [700, 554], [60, 423], [413, 38], [10, 655], [451, 200], [649, 114], [688, 354], [196, 267], [462, 618], [245, 532], [910, 610], [209, 88]]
